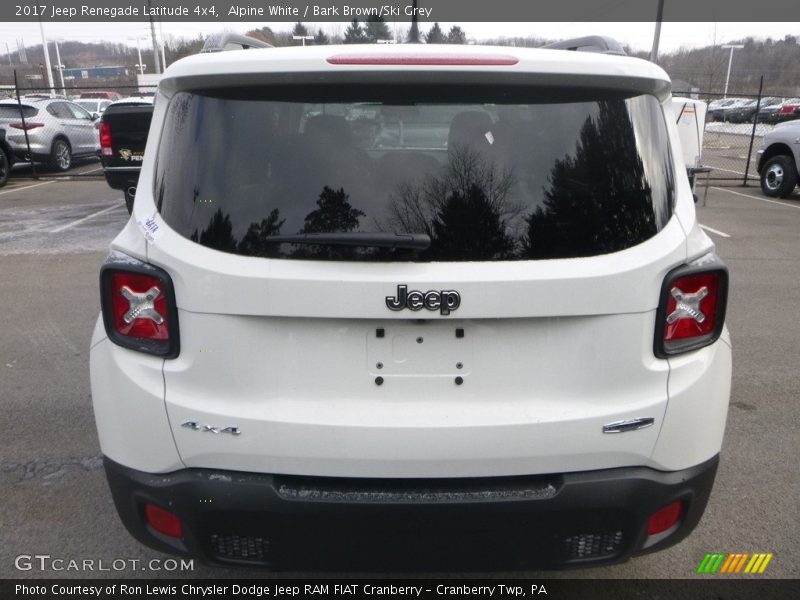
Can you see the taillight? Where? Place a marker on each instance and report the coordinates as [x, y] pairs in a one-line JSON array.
[[105, 139], [26, 126], [138, 303], [691, 311]]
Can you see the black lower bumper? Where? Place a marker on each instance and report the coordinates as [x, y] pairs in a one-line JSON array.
[[282, 522]]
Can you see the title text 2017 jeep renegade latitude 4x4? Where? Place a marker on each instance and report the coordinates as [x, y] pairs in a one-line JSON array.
[[438, 299]]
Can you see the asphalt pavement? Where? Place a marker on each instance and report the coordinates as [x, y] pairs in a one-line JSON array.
[[53, 239]]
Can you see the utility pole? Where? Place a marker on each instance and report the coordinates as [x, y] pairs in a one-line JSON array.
[[413, 34], [156, 57], [657, 33]]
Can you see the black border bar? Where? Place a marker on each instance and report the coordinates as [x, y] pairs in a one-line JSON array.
[[310, 11]]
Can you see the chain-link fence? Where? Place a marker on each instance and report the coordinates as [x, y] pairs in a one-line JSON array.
[[55, 132], [734, 130]]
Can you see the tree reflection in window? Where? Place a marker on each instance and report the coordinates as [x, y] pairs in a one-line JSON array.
[[465, 211], [255, 242], [218, 235], [599, 200], [334, 214]]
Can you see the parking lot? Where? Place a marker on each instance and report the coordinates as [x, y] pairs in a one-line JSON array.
[[53, 239]]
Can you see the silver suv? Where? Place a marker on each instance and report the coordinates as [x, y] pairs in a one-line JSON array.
[[53, 131]]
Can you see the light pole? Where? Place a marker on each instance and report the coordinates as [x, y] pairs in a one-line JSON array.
[[730, 60], [60, 67], [46, 51], [161, 37], [303, 37], [141, 65]]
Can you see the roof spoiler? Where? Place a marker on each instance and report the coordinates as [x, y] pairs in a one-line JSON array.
[[219, 42], [590, 43]]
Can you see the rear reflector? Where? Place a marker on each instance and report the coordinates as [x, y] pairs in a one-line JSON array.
[[691, 312], [424, 59], [163, 521], [138, 303], [665, 518]]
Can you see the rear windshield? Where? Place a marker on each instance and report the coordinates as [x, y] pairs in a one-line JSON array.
[[488, 174], [12, 111]]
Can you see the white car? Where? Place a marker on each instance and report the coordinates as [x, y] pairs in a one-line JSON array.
[[480, 320], [96, 107]]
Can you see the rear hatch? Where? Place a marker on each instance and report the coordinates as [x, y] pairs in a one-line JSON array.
[[466, 284]]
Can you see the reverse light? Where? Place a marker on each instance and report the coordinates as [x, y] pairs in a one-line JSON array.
[[139, 310], [691, 312], [163, 521], [665, 518], [105, 139]]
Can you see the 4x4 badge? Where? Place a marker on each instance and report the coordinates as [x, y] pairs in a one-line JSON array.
[[445, 301]]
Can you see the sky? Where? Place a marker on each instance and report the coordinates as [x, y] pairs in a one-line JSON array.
[[638, 36]]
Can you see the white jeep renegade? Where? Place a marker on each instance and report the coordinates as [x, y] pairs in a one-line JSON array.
[[413, 306]]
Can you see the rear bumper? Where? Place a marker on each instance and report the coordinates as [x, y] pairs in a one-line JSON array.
[[278, 521], [120, 178]]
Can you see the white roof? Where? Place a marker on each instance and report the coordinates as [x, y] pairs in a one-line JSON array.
[[596, 68]]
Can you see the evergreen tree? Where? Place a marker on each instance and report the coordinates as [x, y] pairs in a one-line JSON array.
[[299, 29], [435, 35], [354, 34], [376, 30], [456, 35], [320, 38]]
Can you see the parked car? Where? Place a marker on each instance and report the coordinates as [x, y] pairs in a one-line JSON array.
[[6, 157], [96, 107], [99, 94], [716, 108], [789, 110], [769, 107], [123, 135], [502, 335], [58, 131], [779, 160], [744, 112]]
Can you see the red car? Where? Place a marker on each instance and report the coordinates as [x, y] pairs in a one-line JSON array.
[[789, 110], [99, 94]]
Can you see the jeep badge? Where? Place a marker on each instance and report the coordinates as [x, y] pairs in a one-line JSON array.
[[445, 301]]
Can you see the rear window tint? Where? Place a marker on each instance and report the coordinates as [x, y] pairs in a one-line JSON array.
[[489, 174], [12, 111]]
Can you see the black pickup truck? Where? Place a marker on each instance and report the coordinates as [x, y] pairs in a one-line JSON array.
[[123, 136]]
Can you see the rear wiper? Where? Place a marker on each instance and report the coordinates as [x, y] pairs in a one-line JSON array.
[[414, 241]]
